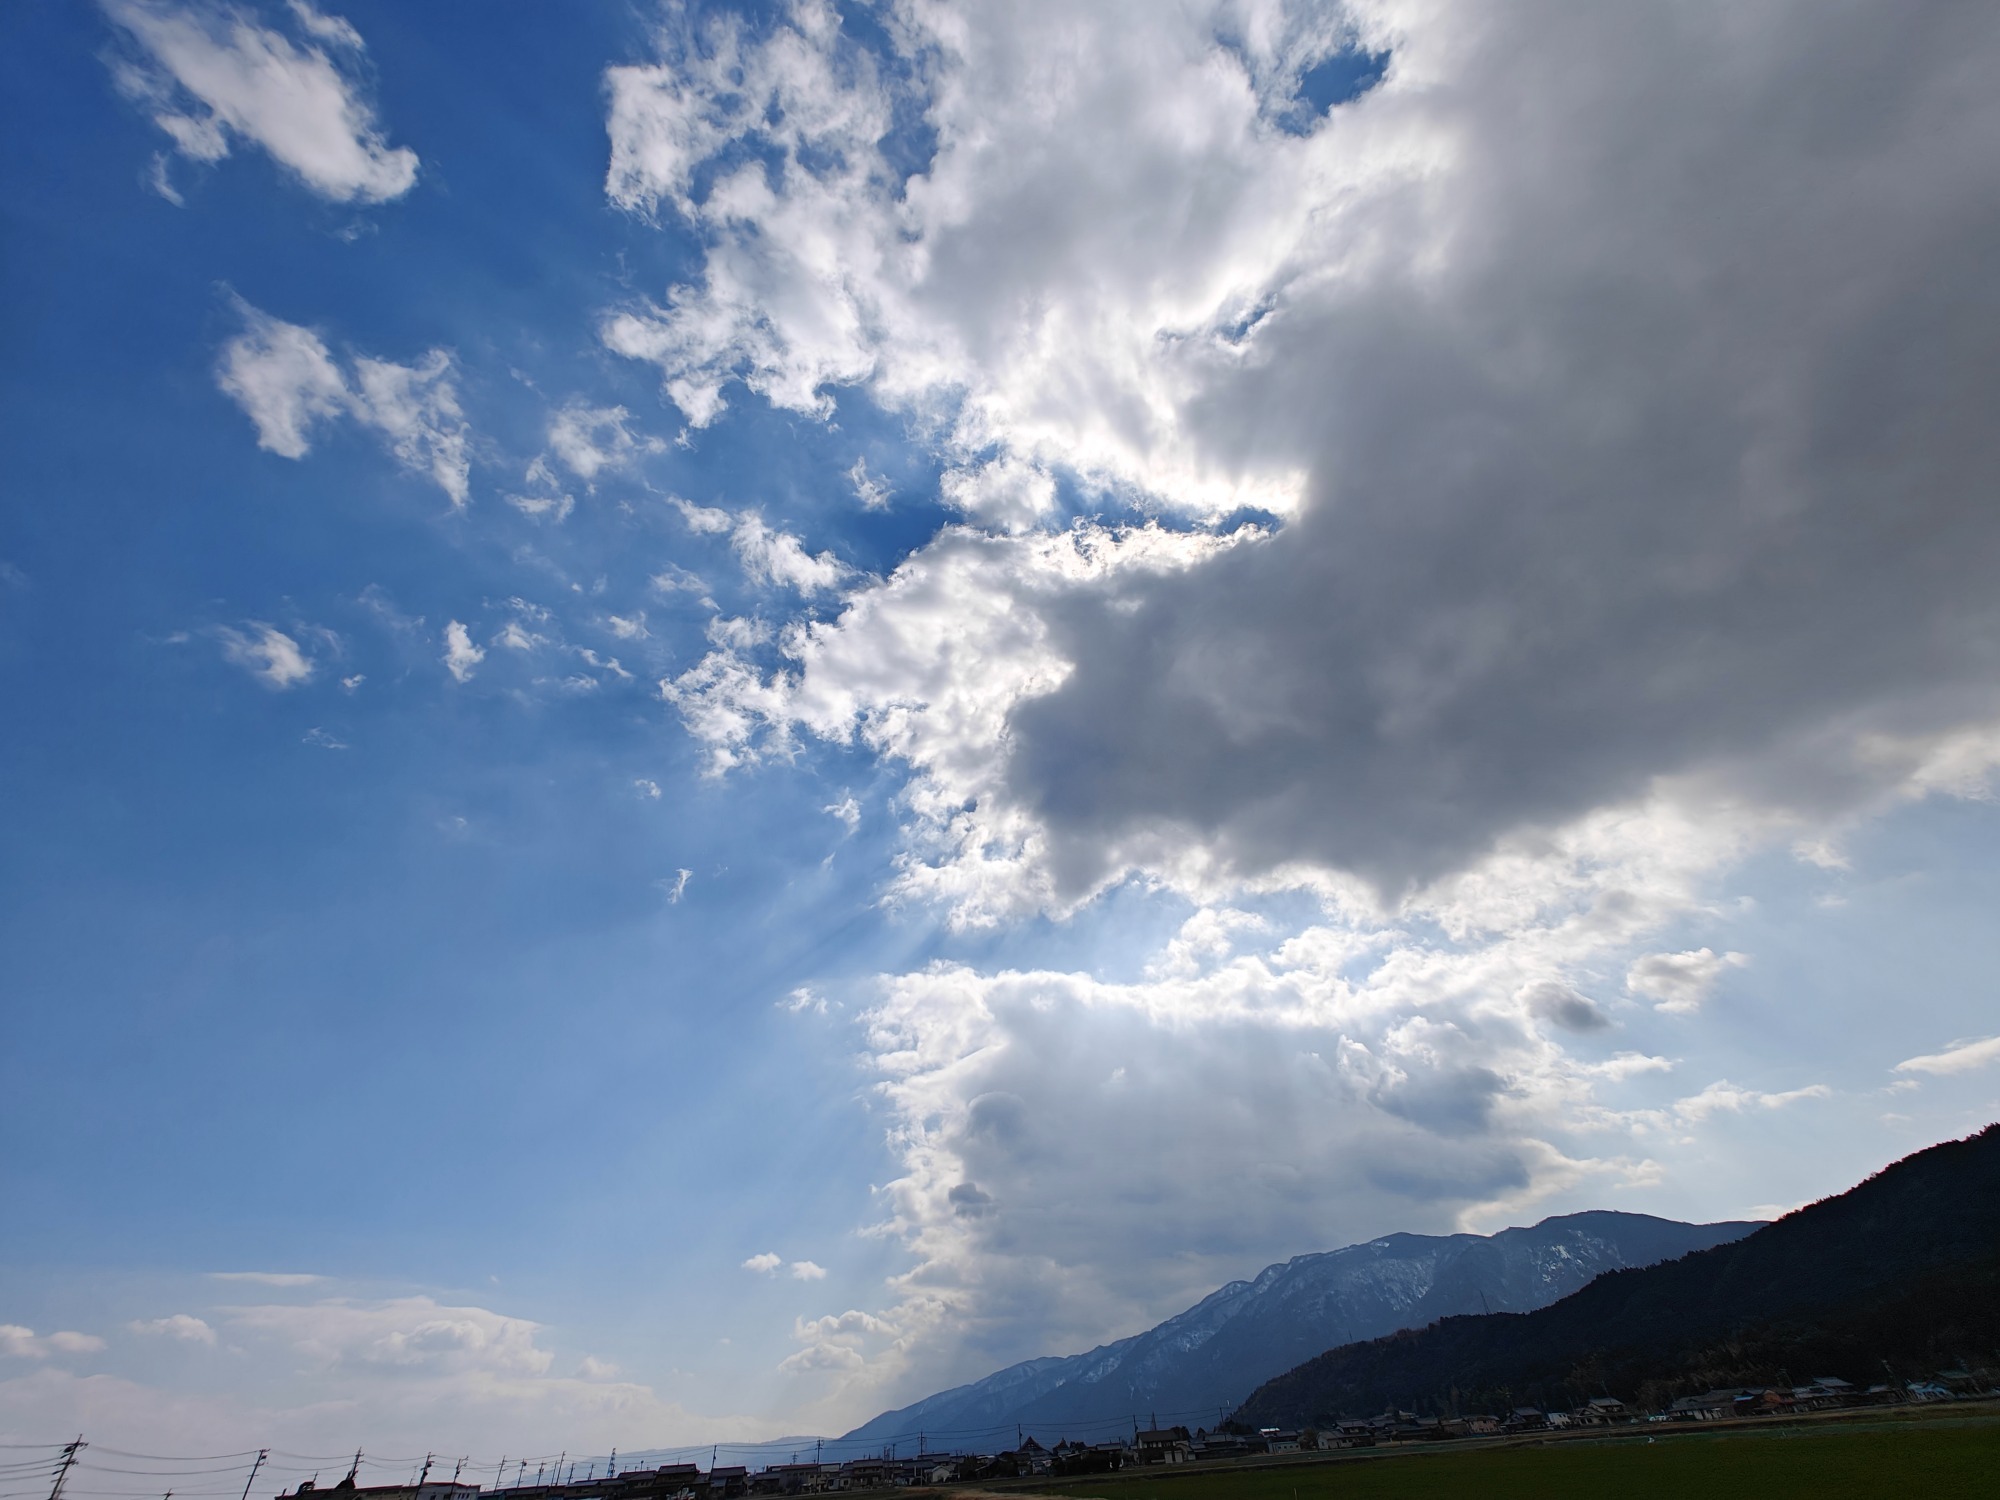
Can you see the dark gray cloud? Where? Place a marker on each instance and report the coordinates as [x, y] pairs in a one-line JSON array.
[[1679, 456], [1558, 1002]]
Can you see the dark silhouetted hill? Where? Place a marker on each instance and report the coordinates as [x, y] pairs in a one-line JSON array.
[[1902, 1270]]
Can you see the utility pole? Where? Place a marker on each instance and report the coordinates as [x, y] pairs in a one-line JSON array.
[[429, 1458], [500, 1478], [70, 1451], [262, 1454]]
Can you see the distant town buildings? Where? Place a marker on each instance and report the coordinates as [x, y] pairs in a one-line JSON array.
[[1162, 1445]]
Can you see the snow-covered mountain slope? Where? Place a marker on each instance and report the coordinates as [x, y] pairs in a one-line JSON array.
[[1204, 1361]]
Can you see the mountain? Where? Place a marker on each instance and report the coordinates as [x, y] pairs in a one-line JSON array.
[[1903, 1270], [1199, 1363]]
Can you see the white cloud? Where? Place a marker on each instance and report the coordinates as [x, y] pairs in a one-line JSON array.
[[308, 1404], [1678, 983], [18, 1342], [779, 559], [211, 75], [514, 636], [770, 558], [677, 887], [646, 787], [555, 508], [847, 810], [589, 440], [322, 739], [288, 382], [411, 1333], [416, 408], [804, 999], [1724, 1097], [835, 1342], [460, 655], [266, 653], [674, 579], [1006, 493], [872, 492], [1623, 529], [285, 380], [805, 1270], [183, 1326], [1272, 1087], [704, 519], [1258, 308], [1959, 1057], [628, 627], [765, 1263]]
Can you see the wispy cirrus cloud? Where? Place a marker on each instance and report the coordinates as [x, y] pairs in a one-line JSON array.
[[19, 1342], [266, 653], [182, 1326], [1960, 1057]]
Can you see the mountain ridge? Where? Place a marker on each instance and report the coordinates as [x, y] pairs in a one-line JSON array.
[[1902, 1267], [1209, 1357]]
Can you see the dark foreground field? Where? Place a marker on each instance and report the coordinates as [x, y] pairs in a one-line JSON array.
[[1938, 1459]]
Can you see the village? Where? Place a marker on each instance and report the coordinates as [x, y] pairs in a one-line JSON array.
[[1148, 1446]]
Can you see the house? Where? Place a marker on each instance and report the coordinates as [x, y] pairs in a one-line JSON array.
[[1088, 1458], [796, 1479], [1526, 1419], [1165, 1445], [1601, 1409], [865, 1474], [1483, 1426], [666, 1480], [1213, 1445], [347, 1489], [1279, 1441], [727, 1481]]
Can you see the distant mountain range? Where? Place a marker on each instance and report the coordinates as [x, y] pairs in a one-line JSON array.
[[1197, 1365], [1900, 1274]]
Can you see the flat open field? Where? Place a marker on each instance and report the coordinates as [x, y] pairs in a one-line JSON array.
[[1927, 1460]]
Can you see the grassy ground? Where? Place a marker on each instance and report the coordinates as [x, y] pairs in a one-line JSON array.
[[1941, 1460]]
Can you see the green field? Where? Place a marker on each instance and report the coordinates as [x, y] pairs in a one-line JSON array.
[[1924, 1460]]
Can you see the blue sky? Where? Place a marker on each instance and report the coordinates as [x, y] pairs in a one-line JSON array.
[[721, 714]]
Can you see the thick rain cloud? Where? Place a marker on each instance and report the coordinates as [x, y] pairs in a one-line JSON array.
[[1670, 450]]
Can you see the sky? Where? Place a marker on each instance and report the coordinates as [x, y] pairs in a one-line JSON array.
[[718, 714]]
